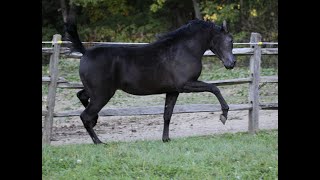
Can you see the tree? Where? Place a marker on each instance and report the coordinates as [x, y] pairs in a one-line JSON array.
[[140, 20], [197, 9]]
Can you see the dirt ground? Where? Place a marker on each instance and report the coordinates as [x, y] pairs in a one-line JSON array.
[[147, 127]]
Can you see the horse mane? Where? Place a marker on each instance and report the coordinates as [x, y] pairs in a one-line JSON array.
[[188, 29]]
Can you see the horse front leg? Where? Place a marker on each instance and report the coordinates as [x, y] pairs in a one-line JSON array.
[[199, 86], [171, 99]]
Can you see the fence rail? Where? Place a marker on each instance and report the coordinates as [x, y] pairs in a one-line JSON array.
[[63, 83], [254, 80], [154, 110], [69, 42], [236, 51]]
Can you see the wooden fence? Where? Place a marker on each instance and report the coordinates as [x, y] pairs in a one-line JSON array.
[[254, 80]]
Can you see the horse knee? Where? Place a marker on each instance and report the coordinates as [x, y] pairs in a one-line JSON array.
[[88, 121], [215, 90], [166, 119], [83, 97], [95, 120], [168, 109], [225, 107], [80, 93], [84, 118]]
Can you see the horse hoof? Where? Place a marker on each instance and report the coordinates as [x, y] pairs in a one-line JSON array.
[[223, 119], [166, 139], [99, 142]]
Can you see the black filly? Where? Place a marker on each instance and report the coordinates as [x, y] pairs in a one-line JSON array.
[[170, 65]]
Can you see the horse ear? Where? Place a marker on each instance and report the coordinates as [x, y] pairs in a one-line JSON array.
[[224, 26]]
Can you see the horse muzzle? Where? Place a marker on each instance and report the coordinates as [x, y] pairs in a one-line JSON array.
[[230, 65]]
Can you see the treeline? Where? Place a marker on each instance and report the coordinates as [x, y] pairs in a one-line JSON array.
[[141, 20]]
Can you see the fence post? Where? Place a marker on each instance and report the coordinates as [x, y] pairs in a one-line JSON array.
[[255, 61], [54, 60]]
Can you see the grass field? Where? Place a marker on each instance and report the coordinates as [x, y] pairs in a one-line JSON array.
[[226, 156]]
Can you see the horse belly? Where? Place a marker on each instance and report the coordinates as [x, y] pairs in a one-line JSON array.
[[149, 77], [147, 86]]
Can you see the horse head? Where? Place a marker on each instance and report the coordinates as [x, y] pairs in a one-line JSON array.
[[221, 45]]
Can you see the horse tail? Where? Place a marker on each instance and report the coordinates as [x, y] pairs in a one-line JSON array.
[[72, 35]]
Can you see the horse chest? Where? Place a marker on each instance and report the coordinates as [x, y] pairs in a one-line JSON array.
[[187, 71]]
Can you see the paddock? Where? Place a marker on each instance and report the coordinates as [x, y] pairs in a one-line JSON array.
[[252, 109]]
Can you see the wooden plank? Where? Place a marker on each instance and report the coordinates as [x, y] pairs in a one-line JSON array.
[[70, 85], [246, 51], [230, 81], [62, 83], [154, 110], [269, 106], [269, 79], [50, 50], [236, 51], [46, 79], [255, 63], [54, 61], [267, 51], [74, 55]]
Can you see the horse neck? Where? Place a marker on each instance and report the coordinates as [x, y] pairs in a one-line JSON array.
[[197, 44]]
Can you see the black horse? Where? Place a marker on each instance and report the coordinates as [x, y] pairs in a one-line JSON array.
[[170, 65]]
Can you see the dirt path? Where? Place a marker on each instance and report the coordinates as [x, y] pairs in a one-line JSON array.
[[130, 128]]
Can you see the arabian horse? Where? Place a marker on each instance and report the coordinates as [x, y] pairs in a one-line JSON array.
[[171, 65]]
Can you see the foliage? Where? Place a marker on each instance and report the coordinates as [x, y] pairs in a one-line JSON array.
[[51, 19], [158, 4], [141, 20], [262, 16], [48, 32], [111, 20], [98, 10], [218, 12], [252, 16], [121, 32]]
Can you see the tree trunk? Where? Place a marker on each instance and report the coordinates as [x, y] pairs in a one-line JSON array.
[[243, 16], [72, 12], [180, 20], [64, 10], [197, 9], [67, 10]]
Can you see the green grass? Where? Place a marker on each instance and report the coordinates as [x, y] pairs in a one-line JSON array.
[[226, 156]]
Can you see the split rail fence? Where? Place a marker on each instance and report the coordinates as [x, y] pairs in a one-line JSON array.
[[254, 79]]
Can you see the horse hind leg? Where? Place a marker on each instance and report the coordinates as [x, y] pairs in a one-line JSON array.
[[89, 121], [90, 116], [83, 97]]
